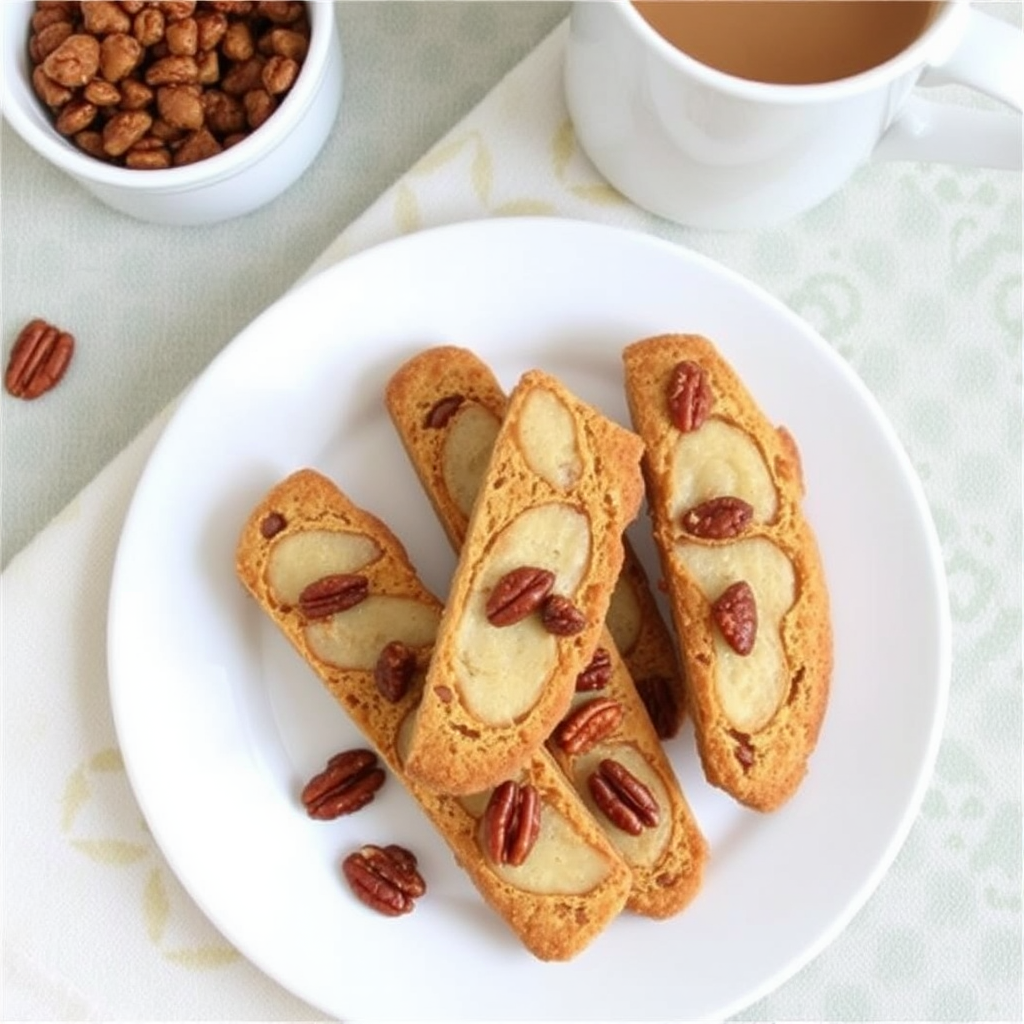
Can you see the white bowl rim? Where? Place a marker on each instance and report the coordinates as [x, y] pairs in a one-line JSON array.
[[61, 152]]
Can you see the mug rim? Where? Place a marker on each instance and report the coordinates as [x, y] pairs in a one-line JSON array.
[[17, 91], [911, 57]]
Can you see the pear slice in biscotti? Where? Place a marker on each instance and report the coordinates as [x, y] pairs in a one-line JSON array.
[[447, 405], [339, 585], [741, 563], [531, 589]]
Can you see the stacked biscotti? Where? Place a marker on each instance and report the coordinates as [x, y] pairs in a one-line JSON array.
[[447, 407], [741, 565], [340, 586], [536, 695]]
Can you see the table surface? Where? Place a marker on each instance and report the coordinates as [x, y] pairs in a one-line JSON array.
[[151, 305]]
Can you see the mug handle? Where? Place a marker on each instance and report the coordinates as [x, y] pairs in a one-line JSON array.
[[989, 58]]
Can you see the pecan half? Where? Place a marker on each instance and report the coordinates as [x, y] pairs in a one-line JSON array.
[[561, 617], [385, 878], [689, 395], [38, 360], [735, 614], [660, 701], [511, 823], [518, 593], [718, 518], [442, 411], [394, 670], [588, 724], [349, 782], [623, 798], [597, 673], [332, 594]]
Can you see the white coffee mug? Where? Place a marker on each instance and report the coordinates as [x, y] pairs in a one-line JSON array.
[[711, 150]]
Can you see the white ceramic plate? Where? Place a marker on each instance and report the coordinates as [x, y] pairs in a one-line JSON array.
[[220, 723]]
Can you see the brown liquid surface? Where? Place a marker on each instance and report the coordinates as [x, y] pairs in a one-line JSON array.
[[791, 42]]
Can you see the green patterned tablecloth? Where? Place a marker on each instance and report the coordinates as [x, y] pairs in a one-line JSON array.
[[913, 273]]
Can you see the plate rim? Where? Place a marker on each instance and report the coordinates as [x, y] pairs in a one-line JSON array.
[[428, 237]]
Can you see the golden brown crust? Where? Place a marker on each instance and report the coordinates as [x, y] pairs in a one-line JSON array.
[[761, 766], [551, 926], [667, 863], [458, 745]]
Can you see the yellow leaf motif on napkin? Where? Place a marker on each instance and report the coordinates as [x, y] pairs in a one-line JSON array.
[[563, 151], [407, 210], [481, 172], [79, 798]]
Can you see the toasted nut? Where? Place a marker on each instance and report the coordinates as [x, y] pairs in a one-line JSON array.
[[385, 878], [74, 62], [511, 823], [442, 411], [561, 617], [517, 594], [623, 798], [720, 518], [588, 724], [123, 130], [598, 672], [689, 395], [332, 594], [735, 614], [349, 782], [394, 670], [39, 359]]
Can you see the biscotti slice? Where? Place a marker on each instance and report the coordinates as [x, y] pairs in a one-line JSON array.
[[741, 564], [531, 589], [340, 587], [607, 721], [447, 405]]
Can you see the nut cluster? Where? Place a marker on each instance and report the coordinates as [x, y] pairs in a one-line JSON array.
[[150, 85]]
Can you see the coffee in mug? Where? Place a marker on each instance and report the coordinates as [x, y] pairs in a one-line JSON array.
[[789, 42]]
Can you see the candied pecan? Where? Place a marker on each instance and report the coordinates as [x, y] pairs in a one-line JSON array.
[[148, 154], [243, 76], [209, 67], [149, 26], [182, 38], [587, 724], [285, 42], [224, 114], [597, 673], [46, 15], [511, 823], [52, 93], [279, 74], [173, 70], [91, 142], [198, 145], [688, 395], [442, 411], [238, 43], [181, 106], [211, 26], [101, 17], [135, 95], [47, 39], [284, 13], [561, 617], [259, 105], [273, 523], [623, 798], [394, 670], [349, 782], [123, 130], [659, 699], [385, 878], [75, 61], [75, 116], [735, 614], [332, 594], [517, 594], [120, 55], [38, 360], [102, 93]]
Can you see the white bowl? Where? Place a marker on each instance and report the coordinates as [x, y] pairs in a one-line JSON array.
[[232, 183]]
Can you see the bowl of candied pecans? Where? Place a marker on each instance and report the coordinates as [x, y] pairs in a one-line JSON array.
[[174, 112]]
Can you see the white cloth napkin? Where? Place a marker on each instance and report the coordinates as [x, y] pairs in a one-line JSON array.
[[913, 273]]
